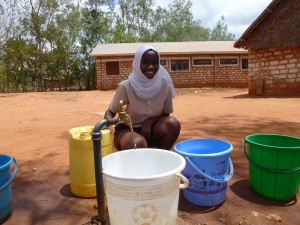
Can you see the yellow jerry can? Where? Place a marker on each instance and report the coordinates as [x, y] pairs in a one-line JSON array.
[[81, 158]]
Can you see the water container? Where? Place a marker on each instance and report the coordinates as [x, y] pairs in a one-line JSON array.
[[274, 164], [6, 178], [142, 186], [81, 157], [207, 169]]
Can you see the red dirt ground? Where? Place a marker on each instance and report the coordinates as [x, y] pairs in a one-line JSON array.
[[34, 130]]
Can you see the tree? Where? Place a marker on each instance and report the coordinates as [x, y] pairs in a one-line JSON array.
[[177, 24], [8, 20], [62, 36], [2, 78], [95, 29], [220, 32], [132, 20], [8, 30], [17, 63], [50, 41], [39, 15]]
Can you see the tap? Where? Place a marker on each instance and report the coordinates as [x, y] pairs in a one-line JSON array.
[[123, 117], [101, 218]]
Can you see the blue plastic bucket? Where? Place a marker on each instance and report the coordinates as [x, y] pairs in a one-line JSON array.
[[208, 169], [5, 186]]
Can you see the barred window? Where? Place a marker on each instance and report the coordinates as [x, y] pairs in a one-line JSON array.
[[180, 65]]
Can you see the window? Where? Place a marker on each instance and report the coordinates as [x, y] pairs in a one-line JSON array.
[[244, 63], [112, 68], [163, 62], [180, 65], [202, 62], [229, 61]]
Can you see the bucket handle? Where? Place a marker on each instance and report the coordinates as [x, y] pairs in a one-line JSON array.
[[12, 177], [185, 181], [266, 169], [227, 178]]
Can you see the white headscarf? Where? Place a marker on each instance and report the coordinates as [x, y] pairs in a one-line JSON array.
[[142, 86]]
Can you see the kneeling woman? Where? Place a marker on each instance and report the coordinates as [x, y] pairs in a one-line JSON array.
[[148, 94]]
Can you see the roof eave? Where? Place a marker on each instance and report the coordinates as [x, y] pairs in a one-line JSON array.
[[172, 53], [242, 41]]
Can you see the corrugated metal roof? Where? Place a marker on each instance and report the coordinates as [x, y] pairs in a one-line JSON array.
[[209, 47]]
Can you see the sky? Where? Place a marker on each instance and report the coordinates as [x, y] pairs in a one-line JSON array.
[[239, 14]]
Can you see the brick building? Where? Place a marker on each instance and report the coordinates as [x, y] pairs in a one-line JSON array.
[[190, 64], [273, 44]]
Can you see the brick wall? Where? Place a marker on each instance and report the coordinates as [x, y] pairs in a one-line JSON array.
[[198, 76], [280, 69]]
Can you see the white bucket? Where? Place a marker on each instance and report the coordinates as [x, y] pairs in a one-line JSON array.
[[142, 186]]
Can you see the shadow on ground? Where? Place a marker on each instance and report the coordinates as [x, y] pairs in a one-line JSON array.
[[243, 189]]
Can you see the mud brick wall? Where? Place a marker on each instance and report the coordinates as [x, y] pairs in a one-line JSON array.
[[215, 75], [110, 82], [279, 68]]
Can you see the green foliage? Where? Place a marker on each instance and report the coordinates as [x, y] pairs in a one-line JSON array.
[[96, 26], [220, 32], [177, 24], [46, 44], [2, 79], [62, 37], [132, 20], [8, 18]]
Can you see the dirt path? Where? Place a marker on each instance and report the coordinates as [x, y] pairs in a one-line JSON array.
[[34, 130]]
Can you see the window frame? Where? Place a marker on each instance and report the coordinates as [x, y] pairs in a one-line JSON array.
[[229, 64], [164, 65], [242, 58], [180, 59], [199, 58]]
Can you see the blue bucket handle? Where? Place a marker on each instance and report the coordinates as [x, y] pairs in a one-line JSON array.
[[12, 177], [267, 169], [227, 178]]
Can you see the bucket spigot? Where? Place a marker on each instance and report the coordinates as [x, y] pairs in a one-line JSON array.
[[123, 117]]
